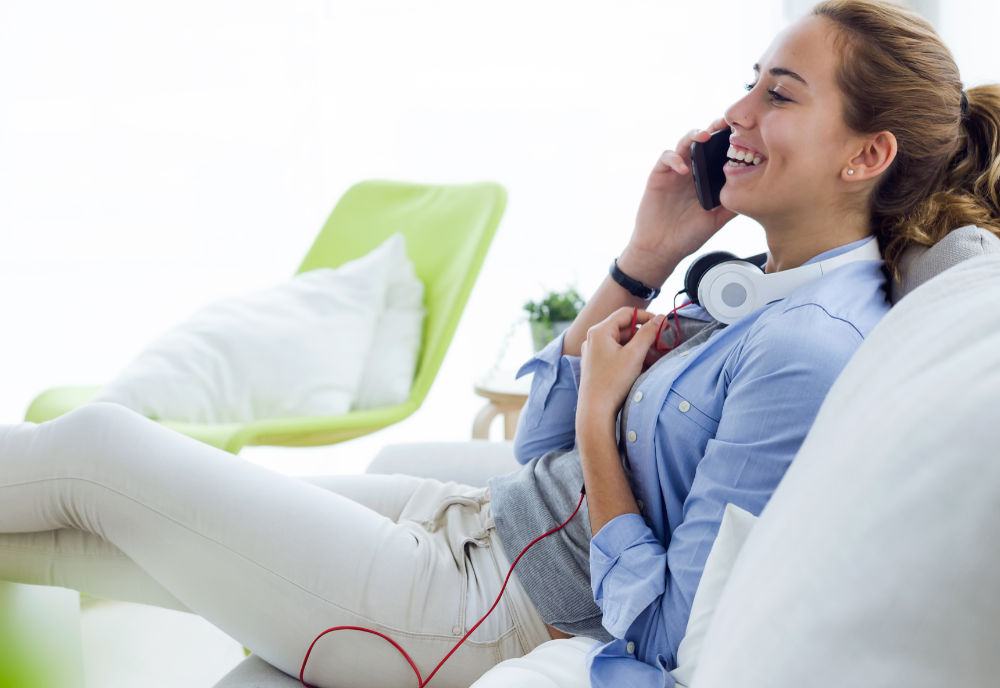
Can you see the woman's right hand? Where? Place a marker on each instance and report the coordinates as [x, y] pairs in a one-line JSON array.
[[671, 224]]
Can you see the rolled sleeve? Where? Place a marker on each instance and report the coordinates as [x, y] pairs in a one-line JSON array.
[[548, 421], [612, 665], [628, 570]]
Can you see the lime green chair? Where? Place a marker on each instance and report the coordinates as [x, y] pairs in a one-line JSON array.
[[448, 230]]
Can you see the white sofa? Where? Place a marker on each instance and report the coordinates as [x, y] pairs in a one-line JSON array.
[[876, 561]]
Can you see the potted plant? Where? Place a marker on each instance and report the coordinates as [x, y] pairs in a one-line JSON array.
[[552, 315]]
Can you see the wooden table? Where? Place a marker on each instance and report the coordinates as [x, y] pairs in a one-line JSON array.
[[506, 396]]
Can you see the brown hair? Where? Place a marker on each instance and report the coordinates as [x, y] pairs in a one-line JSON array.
[[898, 76]]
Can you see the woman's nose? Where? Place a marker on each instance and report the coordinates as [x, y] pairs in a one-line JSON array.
[[740, 114]]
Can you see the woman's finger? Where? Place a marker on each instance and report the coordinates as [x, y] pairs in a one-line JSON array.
[[673, 161], [645, 337], [718, 125]]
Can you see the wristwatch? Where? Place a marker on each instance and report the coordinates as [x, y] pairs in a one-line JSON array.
[[632, 286]]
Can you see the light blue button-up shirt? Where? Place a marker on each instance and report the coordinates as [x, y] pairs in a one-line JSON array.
[[719, 426]]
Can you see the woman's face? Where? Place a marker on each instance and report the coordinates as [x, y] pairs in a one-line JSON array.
[[790, 124]]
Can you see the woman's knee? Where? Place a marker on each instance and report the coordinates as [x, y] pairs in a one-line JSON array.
[[95, 430]]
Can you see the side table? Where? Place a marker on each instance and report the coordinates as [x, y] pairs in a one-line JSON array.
[[505, 396]]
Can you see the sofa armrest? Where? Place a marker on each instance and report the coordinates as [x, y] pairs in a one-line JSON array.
[[469, 463]]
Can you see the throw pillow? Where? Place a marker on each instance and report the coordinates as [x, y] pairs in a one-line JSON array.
[[392, 360], [297, 349]]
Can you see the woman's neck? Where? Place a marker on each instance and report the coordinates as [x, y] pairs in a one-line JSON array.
[[793, 241]]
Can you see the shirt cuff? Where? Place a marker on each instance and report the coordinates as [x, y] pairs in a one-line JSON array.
[[547, 365], [628, 569], [611, 665]]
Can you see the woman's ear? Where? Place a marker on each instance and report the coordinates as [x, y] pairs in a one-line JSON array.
[[876, 155]]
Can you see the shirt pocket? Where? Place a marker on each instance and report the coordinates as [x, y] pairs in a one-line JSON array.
[[683, 406]]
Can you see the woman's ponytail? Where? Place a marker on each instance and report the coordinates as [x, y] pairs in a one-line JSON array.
[[969, 192]]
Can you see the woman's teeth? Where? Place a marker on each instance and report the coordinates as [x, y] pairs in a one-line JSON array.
[[741, 158]]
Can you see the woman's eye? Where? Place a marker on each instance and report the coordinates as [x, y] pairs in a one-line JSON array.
[[778, 98], [749, 87]]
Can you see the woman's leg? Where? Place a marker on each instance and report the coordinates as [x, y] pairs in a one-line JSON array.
[[75, 559], [270, 560]]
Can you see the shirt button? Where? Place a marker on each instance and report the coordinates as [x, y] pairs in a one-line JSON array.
[[684, 353], [638, 397], [630, 648], [631, 435], [638, 503], [457, 630], [684, 407]]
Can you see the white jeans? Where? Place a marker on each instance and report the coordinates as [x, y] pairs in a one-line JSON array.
[[105, 501]]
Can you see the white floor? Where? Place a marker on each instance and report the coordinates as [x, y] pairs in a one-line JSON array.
[[132, 646]]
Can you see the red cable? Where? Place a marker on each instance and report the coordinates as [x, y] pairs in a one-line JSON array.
[[421, 681], [676, 325]]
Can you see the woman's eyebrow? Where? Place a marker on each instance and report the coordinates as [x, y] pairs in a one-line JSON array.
[[781, 71]]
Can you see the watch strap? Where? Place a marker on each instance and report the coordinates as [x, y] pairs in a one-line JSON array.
[[632, 286]]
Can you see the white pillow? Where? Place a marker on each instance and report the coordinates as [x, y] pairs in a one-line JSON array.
[[555, 664], [392, 358], [297, 349], [733, 532], [876, 561]]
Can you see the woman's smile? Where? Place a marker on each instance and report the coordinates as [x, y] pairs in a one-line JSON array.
[[743, 158]]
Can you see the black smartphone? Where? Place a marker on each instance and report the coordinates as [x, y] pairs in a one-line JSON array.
[[707, 160]]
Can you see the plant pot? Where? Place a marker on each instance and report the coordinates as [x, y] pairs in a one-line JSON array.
[[544, 332]]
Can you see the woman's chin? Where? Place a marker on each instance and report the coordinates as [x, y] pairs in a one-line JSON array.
[[732, 199]]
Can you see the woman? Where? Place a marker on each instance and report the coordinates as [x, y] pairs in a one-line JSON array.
[[862, 130]]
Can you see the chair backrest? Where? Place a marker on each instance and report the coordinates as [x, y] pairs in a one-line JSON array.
[[448, 230]]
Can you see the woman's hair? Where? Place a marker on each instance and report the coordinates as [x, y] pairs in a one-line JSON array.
[[897, 76]]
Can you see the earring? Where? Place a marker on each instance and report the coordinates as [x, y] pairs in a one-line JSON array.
[[850, 171]]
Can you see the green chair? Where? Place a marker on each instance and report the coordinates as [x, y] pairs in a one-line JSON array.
[[448, 230]]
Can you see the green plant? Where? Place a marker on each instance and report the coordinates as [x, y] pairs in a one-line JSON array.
[[555, 307]]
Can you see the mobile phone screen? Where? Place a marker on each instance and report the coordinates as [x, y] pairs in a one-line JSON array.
[[707, 160]]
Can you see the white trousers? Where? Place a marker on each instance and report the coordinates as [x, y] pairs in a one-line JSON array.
[[105, 501]]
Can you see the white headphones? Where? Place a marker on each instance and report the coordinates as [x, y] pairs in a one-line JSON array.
[[729, 288]]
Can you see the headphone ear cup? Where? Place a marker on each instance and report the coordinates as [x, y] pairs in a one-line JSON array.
[[699, 267]]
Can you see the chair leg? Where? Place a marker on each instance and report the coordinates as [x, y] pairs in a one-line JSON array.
[[40, 641]]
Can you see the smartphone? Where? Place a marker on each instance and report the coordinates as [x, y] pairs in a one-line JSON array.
[[707, 160]]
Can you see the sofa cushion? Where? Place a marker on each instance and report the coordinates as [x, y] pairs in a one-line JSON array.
[[469, 463], [875, 563], [919, 264], [254, 672]]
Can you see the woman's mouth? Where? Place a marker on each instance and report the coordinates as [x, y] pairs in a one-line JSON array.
[[743, 157]]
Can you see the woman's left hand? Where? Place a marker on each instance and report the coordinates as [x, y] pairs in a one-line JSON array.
[[610, 364]]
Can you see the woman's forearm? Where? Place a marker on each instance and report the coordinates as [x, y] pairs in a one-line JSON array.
[[608, 492], [610, 296]]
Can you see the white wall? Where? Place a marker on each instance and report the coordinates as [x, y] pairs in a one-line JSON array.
[[156, 157]]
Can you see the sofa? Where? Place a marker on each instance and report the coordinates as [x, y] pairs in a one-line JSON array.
[[875, 562]]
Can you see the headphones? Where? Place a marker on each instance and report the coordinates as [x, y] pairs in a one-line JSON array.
[[729, 288]]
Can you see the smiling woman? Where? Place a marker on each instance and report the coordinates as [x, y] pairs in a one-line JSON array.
[[858, 132]]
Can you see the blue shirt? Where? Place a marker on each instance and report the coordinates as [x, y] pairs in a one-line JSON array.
[[719, 426]]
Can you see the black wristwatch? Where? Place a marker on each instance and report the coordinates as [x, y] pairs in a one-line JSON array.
[[632, 286]]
